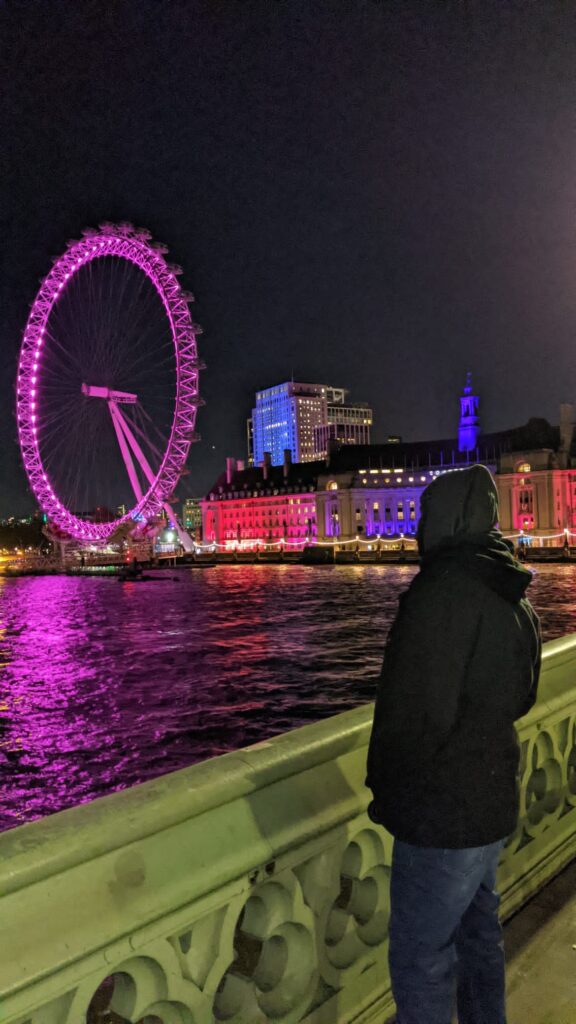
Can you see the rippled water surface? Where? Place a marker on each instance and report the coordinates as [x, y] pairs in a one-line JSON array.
[[104, 684]]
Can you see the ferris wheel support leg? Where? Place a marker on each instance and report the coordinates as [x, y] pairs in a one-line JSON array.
[[118, 421], [122, 428], [184, 538]]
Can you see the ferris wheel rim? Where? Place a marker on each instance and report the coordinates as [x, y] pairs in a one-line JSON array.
[[135, 246]]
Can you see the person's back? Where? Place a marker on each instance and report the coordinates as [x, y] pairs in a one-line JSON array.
[[460, 666]]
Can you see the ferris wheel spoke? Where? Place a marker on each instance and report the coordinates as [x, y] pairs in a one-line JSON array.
[[95, 306], [100, 330], [117, 341], [74, 413], [58, 399], [148, 425], [82, 469], [76, 450], [119, 300], [136, 306], [152, 448], [139, 369], [67, 362], [114, 320], [58, 422], [129, 359], [61, 441], [63, 405], [98, 271], [62, 430]]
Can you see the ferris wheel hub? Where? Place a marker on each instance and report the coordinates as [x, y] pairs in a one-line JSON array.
[[119, 397]]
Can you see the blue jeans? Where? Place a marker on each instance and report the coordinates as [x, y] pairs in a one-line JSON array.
[[446, 945]]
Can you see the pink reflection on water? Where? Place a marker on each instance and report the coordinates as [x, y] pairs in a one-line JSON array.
[[106, 684], [54, 697]]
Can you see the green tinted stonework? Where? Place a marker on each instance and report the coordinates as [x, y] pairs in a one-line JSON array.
[[248, 889]]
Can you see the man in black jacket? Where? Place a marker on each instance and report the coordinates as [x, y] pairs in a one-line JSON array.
[[460, 666]]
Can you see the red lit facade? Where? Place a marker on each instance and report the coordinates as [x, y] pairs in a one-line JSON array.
[[272, 505]]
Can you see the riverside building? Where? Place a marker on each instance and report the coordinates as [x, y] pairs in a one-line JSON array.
[[373, 493], [262, 506], [370, 494], [304, 418], [537, 483], [192, 517]]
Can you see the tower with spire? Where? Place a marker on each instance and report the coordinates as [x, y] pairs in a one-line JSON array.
[[469, 426]]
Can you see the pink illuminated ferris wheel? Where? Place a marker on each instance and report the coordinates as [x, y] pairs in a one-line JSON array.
[[107, 389]]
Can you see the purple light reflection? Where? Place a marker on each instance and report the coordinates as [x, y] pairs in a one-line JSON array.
[[106, 684]]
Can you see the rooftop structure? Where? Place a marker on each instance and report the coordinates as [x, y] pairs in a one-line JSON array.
[[469, 427], [303, 418]]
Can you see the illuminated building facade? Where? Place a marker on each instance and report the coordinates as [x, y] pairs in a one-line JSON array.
[[258, 506], [373, 493], [345, 423], [192, 517], [469, 426], [303, 418], [537, 483], [370, 494], [284, 418]]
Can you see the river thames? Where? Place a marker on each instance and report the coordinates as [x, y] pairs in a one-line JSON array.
[[104, 684]]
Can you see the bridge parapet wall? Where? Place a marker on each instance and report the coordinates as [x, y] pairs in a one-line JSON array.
[[248, 889]]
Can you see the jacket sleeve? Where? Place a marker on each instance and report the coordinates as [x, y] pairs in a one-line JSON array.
[[425, 661], [536, 638]]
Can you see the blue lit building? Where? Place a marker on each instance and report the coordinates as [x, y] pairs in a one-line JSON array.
[[469, 426], [303, 419], [284, 417]]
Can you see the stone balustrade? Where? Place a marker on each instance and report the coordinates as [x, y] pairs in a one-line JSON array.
[[248, 889]]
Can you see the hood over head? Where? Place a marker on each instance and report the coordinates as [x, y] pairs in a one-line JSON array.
[[460, 504], [458, 522]]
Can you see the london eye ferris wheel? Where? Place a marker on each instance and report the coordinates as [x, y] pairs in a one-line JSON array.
[[107, 388]]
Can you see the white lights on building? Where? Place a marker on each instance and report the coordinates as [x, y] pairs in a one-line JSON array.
[[304, 418]]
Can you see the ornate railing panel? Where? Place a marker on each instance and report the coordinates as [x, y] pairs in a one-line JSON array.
[[248, 889]]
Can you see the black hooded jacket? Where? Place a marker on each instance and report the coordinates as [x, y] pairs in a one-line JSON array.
[[460, 666]]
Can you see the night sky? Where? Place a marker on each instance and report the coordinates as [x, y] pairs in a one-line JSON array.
[[374, 195]]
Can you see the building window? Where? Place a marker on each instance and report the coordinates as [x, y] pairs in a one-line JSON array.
[[526, 501], [523, 467]]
